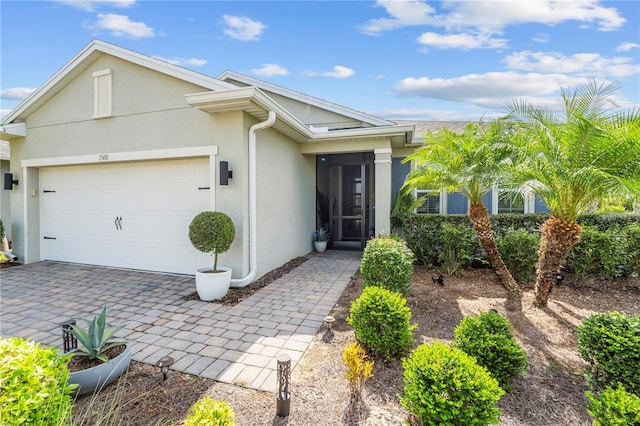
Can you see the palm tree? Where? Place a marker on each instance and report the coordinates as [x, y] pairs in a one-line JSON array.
[[573, 159], [472, 163]]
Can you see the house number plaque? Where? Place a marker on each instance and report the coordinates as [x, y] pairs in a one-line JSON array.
[[103, 157]]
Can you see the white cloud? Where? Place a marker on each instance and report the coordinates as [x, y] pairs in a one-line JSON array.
[[91, 6], [243, 28], [194, 62], [461, 41], [489, 89], [269, 70], [541, 38], [339, 72], [121, 26], [16, 93], [585, 64], [403, 13], [4, 113], [626, 47]]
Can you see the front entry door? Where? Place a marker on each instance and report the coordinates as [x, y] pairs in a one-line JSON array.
[[347, 179]]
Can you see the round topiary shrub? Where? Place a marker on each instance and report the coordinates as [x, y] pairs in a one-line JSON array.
[[610, 343], [387, 262], [489, 339], [445, 386], [34, 388], [381, 318], [210, 412], [212, 232], [614, 407]]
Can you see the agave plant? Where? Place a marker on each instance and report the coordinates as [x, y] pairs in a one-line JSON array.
[[95, 340]]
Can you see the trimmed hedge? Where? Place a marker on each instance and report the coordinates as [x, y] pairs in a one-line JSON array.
[[610, 343], [381, 318], [445, 386], [614, 407], [387, 262]]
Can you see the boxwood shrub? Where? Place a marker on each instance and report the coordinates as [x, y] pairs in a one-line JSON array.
[[445, 386], [387, 262], [599, 254], [489, 339], [610, 343], [381, 318], [614, 407], [34, 387]]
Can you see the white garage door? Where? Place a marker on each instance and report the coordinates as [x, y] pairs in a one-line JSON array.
[[129, 215]]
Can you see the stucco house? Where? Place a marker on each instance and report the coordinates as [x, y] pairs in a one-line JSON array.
[[118, 151]]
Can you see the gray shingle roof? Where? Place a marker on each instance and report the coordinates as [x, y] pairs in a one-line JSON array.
[[423, 127]]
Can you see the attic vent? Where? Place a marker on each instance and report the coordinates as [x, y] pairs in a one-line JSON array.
[[102, 94]]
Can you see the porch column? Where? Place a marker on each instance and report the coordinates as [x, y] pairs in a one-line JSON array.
[[383, 190]]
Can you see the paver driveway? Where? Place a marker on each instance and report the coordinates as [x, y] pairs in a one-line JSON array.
[[238, 344]]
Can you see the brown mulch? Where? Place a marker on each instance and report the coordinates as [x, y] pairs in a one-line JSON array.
[[237, 295], [550, 393]]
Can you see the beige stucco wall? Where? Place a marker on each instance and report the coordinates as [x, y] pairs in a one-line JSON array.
[[5, 199], [150, 113]]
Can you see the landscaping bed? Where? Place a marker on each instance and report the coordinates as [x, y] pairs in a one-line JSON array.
[[551, 392]]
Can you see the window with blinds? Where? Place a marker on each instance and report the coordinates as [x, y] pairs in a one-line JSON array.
[[431, 204], [510, 203], [102, 94]]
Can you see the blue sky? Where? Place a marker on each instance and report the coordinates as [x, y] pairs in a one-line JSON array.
[[415, 60]]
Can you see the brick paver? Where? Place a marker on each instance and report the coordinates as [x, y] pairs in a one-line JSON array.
[[238, 344]]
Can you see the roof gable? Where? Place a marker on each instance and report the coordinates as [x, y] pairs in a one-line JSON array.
[[326, 114], [86, 57]]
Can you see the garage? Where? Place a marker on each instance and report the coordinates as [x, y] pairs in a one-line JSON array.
[[129, 215]]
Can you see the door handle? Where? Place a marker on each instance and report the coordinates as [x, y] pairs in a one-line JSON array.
[[118, 223]]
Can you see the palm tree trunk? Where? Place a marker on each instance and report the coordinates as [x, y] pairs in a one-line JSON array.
[[479, 217], [557, 238]]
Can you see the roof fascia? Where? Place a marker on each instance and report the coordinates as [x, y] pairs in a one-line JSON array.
[[124, 54], [300, 97], [244, 97]]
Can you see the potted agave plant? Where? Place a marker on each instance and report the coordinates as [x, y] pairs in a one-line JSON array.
[[321, 238], [98, 361], [212, 232]]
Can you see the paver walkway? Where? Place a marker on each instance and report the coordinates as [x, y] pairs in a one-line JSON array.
[[238, 344]]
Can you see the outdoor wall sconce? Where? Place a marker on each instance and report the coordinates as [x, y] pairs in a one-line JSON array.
[[438, 280], [225, 173], [559, 278], [69, 341], [9, 181], [283, 397], [163, 364]]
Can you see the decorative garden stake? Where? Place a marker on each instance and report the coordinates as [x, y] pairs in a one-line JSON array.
[[164, 363], [69, 341], [283, 397]]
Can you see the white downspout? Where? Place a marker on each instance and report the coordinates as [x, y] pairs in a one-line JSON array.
[[253, 261]]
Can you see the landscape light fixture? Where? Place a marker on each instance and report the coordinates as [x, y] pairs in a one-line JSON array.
[[283, 397], [438, 280], [328, 322], [559, 278], [69, 341], [163, 364]]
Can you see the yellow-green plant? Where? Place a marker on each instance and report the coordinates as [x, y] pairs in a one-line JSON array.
[[358, 369], [210, 412], [34, 388]]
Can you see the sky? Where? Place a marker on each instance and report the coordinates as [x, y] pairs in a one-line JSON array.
[[409, 60]]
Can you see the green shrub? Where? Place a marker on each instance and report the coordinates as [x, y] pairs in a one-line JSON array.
[[445, 386], [381, 318], [458, 247], [489, 339], [599, 254], [608, 221], [519, 251], [614, 407], [632, 237], [34, 387], [210, 412], [387, 262], [610, 343], [1, 230], [358, 369]]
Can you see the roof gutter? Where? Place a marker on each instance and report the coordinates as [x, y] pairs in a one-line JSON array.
[[253, 252]]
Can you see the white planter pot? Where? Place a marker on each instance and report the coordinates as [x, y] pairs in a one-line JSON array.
[[212, 285], [320, 246], [95, 378]]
